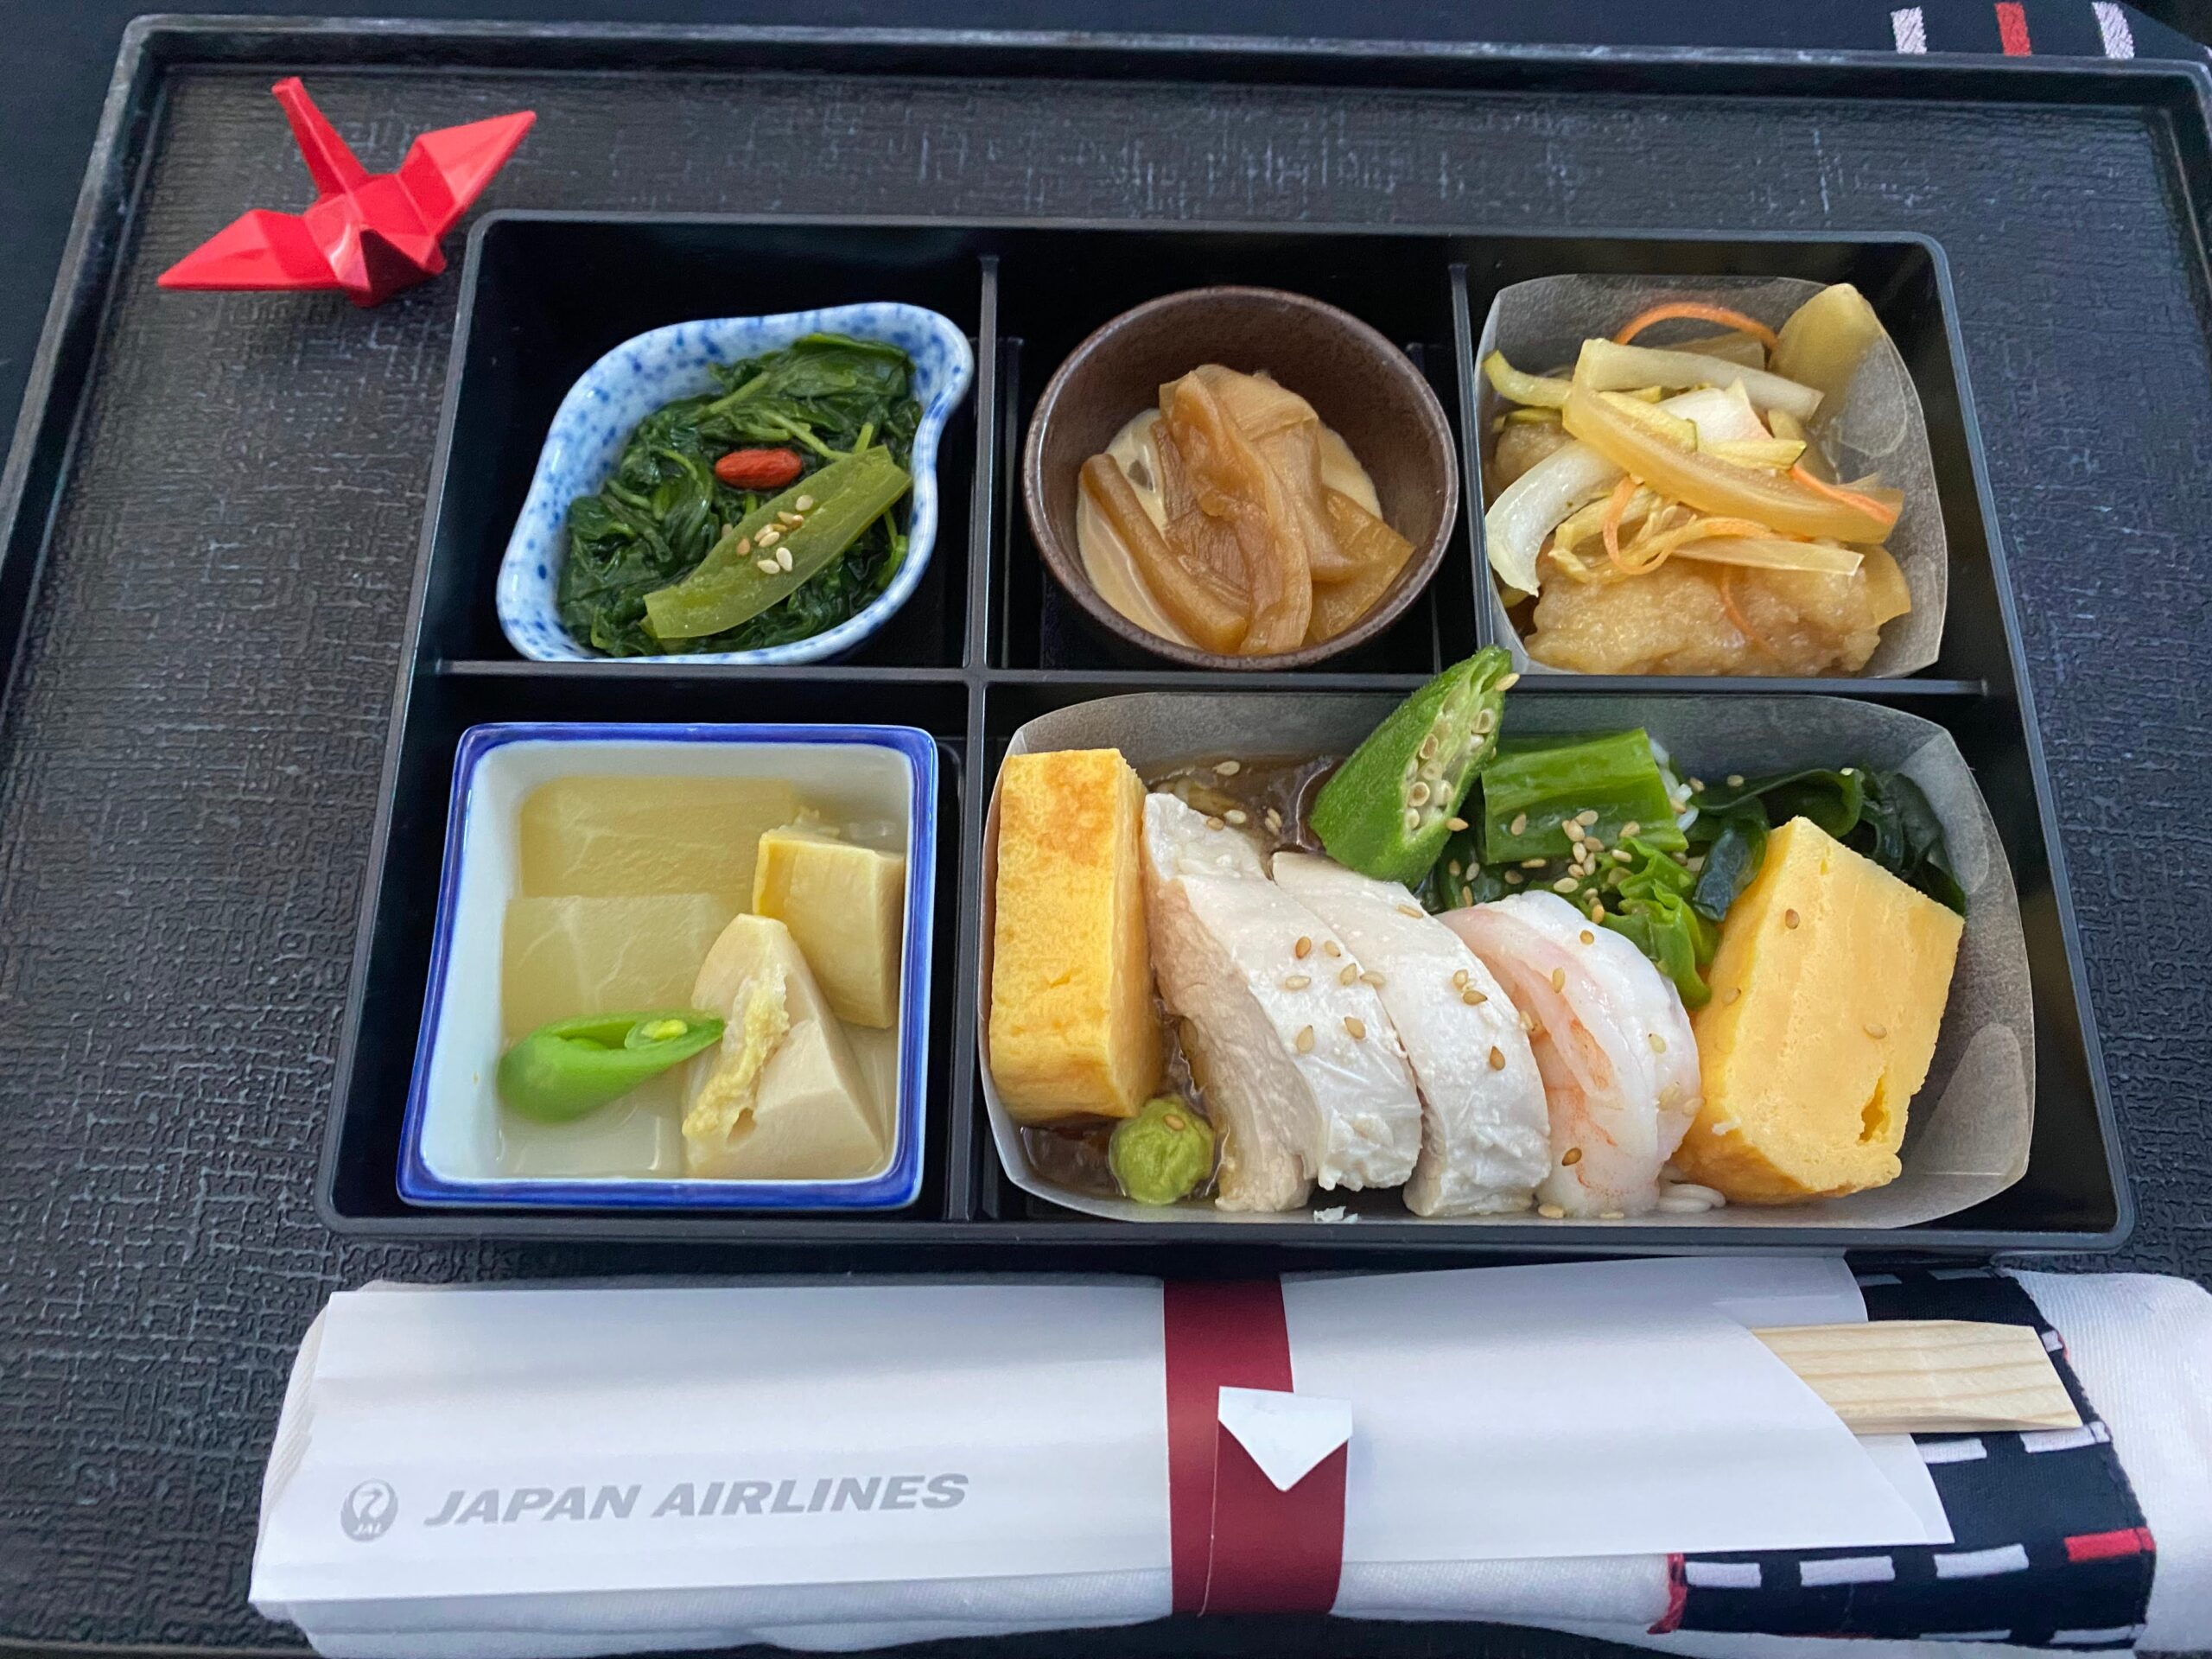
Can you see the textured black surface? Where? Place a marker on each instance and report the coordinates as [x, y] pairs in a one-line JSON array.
[[186, 782]]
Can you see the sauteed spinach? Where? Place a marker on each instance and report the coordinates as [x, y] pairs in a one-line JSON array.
[[822, 398]]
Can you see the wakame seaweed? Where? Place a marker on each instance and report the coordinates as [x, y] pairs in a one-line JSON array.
[[1666, 898], [823, 397]]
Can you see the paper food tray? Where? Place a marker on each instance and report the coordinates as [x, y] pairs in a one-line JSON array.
[[1541, 325], [1969, 1127]]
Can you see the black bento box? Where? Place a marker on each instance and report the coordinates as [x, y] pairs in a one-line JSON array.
[[988, 641]]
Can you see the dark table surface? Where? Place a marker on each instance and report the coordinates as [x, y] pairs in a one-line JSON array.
[[159, 1253]]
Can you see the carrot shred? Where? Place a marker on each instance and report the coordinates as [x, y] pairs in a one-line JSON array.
[[1727, 586], [1616, 508], [1880, 512], [1719, 314]]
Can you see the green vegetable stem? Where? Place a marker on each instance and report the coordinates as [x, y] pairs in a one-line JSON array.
[[1161, 1155], [1389, 809], [1530, 794], [562, 1070], [778, 548]]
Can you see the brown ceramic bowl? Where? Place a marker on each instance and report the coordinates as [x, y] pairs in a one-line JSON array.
[[1357, 380]]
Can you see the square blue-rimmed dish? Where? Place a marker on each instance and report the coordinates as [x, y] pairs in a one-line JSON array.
[[653, 369], [450, 1145]]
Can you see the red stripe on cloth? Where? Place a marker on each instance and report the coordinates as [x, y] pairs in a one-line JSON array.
[[1237, 1544], [2104, 1546], [2013, 29], [1678, 1598]]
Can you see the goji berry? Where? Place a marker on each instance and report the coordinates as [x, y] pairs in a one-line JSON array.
[[758, 469]]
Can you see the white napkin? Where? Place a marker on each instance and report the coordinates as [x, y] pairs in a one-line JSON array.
[[359, 1385]]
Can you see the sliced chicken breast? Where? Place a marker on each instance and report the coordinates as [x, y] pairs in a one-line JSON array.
[[1619, 1058], [1300, 1069], [1485, 1140]]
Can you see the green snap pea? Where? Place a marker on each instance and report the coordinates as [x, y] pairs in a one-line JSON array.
[[562, 1070]]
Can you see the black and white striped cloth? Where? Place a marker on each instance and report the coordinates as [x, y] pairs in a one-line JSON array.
[[2050, 1549]]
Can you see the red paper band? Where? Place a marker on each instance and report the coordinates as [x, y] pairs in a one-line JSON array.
[[1238, 1545]]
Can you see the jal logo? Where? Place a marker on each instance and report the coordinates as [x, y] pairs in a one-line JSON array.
[[369, 1510]]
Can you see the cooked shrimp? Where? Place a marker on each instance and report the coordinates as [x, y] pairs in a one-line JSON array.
[[1611, 1041]]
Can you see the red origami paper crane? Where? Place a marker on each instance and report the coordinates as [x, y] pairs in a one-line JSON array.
[[371, 234]]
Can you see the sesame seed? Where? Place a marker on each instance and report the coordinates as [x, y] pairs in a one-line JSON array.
[[1303, 949], [1559, 979], [1850, 772], [804, 503], [1509, 682], [1455, 825], [1472, 998], [1587, 815], [1587, 937], [1496, 1057], [1735, 780], [1621, 856], [1877, 1032], [1275, 821], [1565, 884], [1455, 869], [1570, 1157], [1629, 829], [1357, 1027], [1513, 878], [1411, 910], [1215, 823], [1727, 1126], [768, 537], [1519, 825], [1296, 982], [782, 558], [1350, 975], [1413, 820], [1528, 1024], [1658, 1043], [1534, 863], [1574, 828], [1468, 895], [766, 567], [1175, 1121], [1330, 948], [1597, 913], [1697, 785], [1459, 979], [1611, 1214], [791, 519], [745, 547], [1551, 1212], [1227, 768], [1305, 1040], [1790, 918], [1235, 815], [1370, 977]]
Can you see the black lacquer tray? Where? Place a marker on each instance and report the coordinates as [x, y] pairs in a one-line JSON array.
[[989, 639], [216, 506]]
